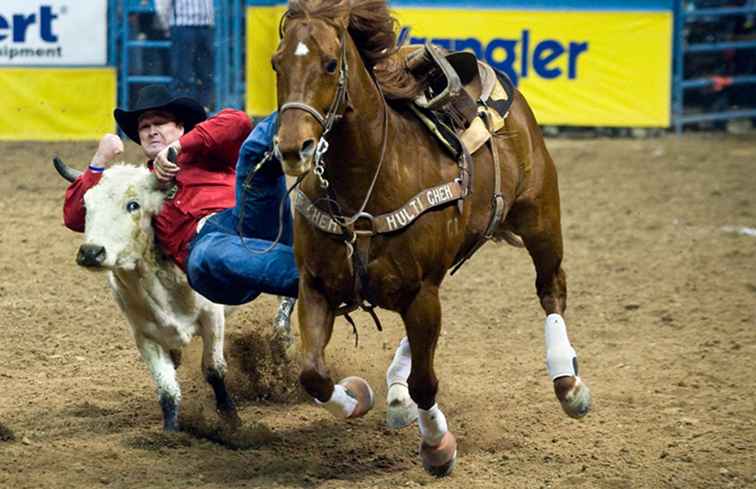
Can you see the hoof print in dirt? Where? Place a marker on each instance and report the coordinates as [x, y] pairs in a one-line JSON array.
[[6, 434]]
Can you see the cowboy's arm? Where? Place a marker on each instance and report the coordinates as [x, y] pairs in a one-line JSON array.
[[216, 141], [256, 145], [74, 213]]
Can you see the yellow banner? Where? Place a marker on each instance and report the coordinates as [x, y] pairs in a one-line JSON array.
[[603, 68], [53, 104], [262, 40]]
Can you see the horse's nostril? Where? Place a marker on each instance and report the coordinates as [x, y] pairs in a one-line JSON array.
[[308, 149], [90, 255]]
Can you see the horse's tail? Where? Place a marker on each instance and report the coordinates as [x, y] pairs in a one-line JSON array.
[[510, 237]]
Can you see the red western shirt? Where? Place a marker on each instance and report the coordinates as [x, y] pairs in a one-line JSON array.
[[205, 183]]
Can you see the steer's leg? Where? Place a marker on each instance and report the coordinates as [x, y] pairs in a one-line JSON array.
[[161, 368], [539, 225], [422, 320], [212, 322], [350, 398]]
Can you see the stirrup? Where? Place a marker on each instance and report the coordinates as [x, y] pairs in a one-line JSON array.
[[282, 320]]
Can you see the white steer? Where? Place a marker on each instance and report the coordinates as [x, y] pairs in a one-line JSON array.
[[153, 293]]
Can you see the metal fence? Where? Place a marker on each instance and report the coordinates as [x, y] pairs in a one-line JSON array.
[[712, 80], [143, 54]]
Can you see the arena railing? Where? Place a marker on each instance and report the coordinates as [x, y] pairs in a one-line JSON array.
[[228, 76], [681, 48]]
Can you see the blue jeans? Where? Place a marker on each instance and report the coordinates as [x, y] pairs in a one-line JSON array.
[[232, 259]]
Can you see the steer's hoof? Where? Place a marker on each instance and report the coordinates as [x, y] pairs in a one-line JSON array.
[[230, 419], [402, 410], [573, 395], [441, 459], [357, 388]]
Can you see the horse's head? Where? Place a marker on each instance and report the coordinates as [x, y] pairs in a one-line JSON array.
[[311, 71]]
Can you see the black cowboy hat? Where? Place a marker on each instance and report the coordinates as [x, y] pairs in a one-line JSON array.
[[156, 97]]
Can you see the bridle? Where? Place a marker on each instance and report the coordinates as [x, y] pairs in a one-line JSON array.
[[336, 113]]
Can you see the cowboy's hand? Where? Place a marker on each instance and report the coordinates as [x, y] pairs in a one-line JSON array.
[[109, 148], [165, 171]]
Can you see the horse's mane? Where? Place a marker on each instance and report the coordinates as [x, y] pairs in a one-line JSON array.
[[373, 30]]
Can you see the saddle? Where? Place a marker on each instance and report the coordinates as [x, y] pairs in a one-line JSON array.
[[460, 94]]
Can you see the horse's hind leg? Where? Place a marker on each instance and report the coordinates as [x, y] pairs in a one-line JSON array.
[[541, 231], [350, 398], [422, 320]]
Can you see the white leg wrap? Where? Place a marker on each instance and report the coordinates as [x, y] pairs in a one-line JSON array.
[[341, 404], [400, 367], [432, 425], [560, 356]]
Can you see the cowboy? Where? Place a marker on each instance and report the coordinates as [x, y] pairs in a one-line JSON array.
[[227, 226]]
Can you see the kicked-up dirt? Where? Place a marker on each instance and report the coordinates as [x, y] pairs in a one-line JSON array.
[[661, 276]]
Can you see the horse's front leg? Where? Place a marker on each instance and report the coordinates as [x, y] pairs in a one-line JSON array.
[[422, 320], [402, 410], [350, 398]]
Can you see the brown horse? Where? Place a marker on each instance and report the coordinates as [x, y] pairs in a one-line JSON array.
[[337, 64]]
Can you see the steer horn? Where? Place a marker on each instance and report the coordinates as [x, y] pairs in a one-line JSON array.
[[65, 171]]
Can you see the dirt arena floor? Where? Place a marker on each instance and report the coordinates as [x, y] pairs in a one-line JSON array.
[[662, 311]]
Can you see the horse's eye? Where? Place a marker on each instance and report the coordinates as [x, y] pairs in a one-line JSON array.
[[132, 206], [331, 66]]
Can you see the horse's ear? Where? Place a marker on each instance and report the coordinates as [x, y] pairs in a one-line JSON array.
[[282, 24], [343, 21]]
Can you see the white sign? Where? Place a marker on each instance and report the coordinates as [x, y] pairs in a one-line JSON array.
[[53, 32]]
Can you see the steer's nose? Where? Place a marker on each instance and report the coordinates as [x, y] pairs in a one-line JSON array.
[[90, 255]]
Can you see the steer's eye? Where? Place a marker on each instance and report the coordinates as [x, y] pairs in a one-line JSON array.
[[132, 206], [331, 66]]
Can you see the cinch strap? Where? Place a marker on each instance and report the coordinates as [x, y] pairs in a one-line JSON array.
[[425, 200]]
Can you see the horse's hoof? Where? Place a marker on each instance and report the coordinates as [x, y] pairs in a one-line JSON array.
[[441, 459], [402, 410], [573, 395], [357, 388]]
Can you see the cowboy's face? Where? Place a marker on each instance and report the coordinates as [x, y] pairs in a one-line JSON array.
[[158, 129]]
